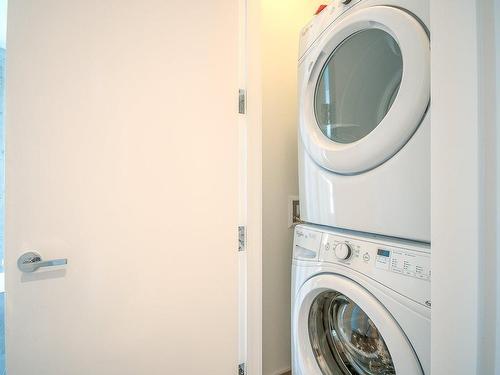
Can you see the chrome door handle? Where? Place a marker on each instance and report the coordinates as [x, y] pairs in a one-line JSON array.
[[31, 261]]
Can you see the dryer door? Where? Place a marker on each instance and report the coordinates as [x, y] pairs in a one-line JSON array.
[[366, 89], [340, 328]]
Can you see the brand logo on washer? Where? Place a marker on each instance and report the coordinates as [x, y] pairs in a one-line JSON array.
[[306, 29]]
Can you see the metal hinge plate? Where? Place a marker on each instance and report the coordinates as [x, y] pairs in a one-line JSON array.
[[241, 369], [242, 102], [242, 238]]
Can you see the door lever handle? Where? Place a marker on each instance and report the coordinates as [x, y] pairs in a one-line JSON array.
[[31, 261]]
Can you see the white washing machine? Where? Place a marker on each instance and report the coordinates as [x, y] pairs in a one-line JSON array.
[[364, 131], [360, 304]]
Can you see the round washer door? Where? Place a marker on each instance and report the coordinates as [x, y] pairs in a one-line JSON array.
[[366, 89], [340, 328]]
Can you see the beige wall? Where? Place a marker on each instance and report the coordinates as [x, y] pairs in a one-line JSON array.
[[281, 22]]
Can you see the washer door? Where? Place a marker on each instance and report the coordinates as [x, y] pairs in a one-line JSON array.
[[340, 328], [366, 89]]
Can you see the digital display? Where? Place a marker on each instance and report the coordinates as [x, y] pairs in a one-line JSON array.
[[383, 253]]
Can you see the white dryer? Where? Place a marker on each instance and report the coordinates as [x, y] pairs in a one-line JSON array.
[[364, 132], [360, 304]]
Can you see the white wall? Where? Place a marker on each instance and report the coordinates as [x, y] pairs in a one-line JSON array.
[[464, 187], [281, 22], [488, 123], [496, 139]]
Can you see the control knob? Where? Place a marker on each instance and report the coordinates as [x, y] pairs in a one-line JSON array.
[[343, 251], [346, 2]]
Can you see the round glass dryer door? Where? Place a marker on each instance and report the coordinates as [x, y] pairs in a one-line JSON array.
[[340, 328], [358, 85], [365, 89]]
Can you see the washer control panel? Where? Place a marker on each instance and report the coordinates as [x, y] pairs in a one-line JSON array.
[[369, 256], [402, 266], [408, 263]]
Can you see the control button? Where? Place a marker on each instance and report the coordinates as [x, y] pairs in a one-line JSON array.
[[343, 251], [366, 257], [321, 8], [327, 246]]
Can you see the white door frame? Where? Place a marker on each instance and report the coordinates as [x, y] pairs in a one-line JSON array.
[[254, 188]]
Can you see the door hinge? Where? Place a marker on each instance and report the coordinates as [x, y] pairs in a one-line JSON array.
[[241, 369], [242, 102], [242, 234]]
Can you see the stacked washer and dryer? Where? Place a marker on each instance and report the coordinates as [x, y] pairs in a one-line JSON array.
[[361, 265]]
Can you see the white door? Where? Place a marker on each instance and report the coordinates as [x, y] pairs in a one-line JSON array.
[[342, 329], [122, 157], [365, 89]]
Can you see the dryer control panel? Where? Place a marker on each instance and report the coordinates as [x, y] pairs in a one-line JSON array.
[[321, 21], [402, 266]]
